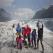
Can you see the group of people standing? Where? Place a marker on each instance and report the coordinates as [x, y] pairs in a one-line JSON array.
[[28, 37]]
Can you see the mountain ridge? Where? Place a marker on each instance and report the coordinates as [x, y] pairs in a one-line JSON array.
[[44, 13]]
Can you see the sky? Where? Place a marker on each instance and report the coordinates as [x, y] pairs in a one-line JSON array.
[[24, 8]]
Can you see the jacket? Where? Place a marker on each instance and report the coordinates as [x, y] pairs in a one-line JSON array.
[[26, 31]]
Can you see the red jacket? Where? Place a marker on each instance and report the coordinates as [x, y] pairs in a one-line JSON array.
[[26, 31]]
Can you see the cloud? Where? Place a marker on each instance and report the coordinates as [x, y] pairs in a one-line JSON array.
[[23, 13], [4, 3]]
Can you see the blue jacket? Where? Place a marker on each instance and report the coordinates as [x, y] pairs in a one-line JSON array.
[[18, 29], [34, 33]]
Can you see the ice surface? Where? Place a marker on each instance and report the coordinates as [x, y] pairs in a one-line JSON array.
[[7, 33]]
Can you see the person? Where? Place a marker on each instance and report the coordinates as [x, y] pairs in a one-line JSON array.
[[19, 41], [40, 35], [18, 29], [34, 37], [18, 33], [28, 31], [13, 36], [25, 36]]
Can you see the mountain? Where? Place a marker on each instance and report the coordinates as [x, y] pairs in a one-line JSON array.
[[44, 13], [4, 16]]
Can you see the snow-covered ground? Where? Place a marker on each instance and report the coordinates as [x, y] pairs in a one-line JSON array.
[[6, 31]]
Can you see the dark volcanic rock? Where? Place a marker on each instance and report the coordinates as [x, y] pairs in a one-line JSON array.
[[4, 16], [44, 13]]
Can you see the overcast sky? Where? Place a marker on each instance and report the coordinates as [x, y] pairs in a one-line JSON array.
[[32, 4], [24, 8]]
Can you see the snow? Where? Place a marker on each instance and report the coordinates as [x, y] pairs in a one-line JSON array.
[[7, 33]]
